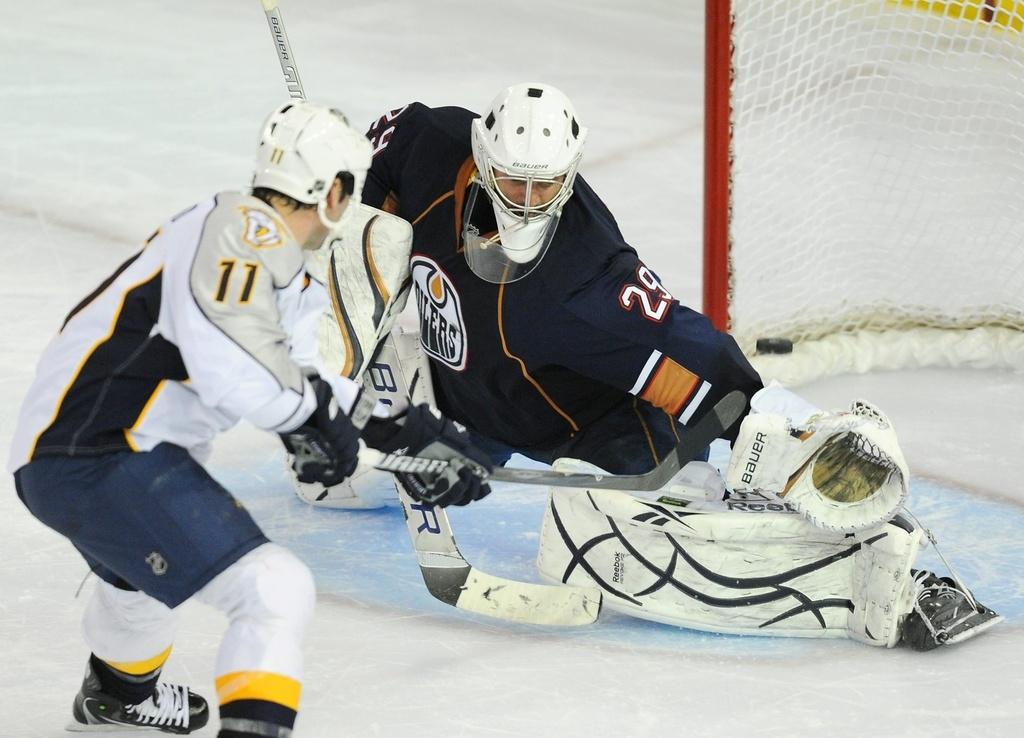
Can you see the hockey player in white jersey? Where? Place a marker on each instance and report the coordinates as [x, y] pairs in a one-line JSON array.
[[211, 322]]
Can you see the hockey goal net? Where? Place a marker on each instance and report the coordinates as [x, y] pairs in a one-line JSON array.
[[864, 181]]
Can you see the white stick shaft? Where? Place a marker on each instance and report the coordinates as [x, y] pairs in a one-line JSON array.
[[284, 50]]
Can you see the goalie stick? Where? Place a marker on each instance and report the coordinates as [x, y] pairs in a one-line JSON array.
[[446, 573], [724, 413]]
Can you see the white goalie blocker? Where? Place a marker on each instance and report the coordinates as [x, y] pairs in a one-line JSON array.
[[365, 267], [844, 471], [748, 565]]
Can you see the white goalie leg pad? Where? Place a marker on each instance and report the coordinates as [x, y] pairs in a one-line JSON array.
[[127, 627], [697, 480], [751, 565], [367, 489], [883, 591], [268, 596], [845, 472]]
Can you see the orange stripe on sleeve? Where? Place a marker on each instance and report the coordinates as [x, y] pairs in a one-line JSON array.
[[258, 685], [670, 386]]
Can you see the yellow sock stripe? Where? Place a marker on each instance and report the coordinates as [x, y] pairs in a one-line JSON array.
[[258, 685], [137, 668]]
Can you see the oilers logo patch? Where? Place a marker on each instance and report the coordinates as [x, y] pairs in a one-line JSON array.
[[261, 231], [442, 329]]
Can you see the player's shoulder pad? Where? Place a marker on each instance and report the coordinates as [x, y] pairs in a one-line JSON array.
[[590, 282], [244, 227], [586, 252], [254, 223]]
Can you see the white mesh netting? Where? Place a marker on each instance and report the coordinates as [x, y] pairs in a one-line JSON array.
[[878, 176]]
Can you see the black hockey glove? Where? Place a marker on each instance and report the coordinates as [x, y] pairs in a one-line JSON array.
[[418, 432], [325, 448]]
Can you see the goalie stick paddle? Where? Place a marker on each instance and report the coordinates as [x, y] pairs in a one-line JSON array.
[[453, 580], [724, 413]]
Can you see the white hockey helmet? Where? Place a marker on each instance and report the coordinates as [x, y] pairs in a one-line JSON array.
[[303, 147], [527, 148]]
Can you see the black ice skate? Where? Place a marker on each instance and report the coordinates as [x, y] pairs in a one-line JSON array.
[[944, 614], [173, 708]]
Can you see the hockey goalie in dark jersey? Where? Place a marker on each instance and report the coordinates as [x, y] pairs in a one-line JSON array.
[[547, 335]]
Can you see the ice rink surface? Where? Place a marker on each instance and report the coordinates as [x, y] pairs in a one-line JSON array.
[[116, 115]]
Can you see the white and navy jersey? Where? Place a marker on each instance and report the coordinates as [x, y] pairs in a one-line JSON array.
[[210, 322]]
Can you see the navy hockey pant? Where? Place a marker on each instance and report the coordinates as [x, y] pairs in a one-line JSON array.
[[156, 520]]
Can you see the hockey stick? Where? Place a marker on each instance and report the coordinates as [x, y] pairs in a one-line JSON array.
[[725, 412], [284, 50], [453, 580], [446, 573]]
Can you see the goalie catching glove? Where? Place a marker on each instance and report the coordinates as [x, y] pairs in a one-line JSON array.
[[419, 432], [844, 471]]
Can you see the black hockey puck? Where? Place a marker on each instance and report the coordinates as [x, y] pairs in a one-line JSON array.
[[774, 346]]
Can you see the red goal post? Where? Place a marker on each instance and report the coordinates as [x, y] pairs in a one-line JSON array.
[[864, 181]]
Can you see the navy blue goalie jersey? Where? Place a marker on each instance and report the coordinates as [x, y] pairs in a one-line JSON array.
[[531, 362]]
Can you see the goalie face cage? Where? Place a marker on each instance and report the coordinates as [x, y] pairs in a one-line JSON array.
[[864, 181]]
